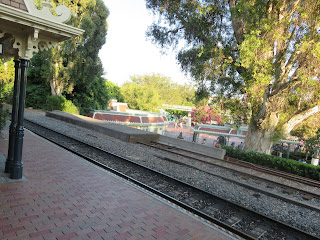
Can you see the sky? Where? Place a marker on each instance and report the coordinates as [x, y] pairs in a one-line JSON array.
[[127, 52]]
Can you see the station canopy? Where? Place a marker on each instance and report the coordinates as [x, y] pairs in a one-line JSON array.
[[25, 30]]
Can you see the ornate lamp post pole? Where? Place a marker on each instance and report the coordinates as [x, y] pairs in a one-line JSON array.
[[14, 116], [16, 169]]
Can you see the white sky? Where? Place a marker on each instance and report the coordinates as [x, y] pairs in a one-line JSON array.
[[127, 52]]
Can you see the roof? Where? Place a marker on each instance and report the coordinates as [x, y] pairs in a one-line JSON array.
[[19, 4], [33, 29]]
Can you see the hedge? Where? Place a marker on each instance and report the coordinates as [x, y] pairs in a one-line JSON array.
[[282, 164]]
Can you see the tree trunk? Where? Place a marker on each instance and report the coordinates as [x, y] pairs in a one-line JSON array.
[[259, 140], [55, 83], [55, 88]]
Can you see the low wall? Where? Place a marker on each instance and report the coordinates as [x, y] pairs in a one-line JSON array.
[[194, 147], [123, 133]]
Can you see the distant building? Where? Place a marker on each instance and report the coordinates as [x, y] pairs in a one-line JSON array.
[[117, 106], [120, 113]]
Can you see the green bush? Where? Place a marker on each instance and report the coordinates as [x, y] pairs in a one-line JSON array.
[[35, 95], [61, 103], [55, 103], [70, 107], [3, 117], [299, 155], [282, 164]]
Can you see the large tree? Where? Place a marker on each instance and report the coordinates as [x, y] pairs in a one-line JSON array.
[[267, 51], [150, 92], [73, 68]]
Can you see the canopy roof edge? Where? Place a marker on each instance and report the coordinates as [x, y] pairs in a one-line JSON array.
[[24, 33], [20, 17]]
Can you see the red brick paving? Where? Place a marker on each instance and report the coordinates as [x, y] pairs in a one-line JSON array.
[[64, 197]]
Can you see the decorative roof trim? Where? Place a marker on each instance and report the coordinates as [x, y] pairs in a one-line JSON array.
[[63, 12], [23, 18], [32, 33]]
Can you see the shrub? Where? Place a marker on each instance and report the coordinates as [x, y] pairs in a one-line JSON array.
[[3, 117], [62, 104], [282, 164], [70, 107], [55, 103], [35, 96]]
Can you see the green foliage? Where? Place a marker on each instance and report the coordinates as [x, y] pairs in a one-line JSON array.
[[312, 143], [298, 155], [73, 69], [40, 69], [6, 85], [282, 164], [150, 92], [6, 81], [114, 91], [201, 94], [69, 107], [60, 103], [35, 95], [265, 53], [235, 110], [307, 129], [38, 86], [55, 103], [3, 116], [94, 96], [177, 113]]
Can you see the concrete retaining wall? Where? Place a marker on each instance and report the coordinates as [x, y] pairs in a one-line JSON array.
[[194, 147], [123, 133]]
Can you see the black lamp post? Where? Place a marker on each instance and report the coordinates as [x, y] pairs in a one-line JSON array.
[[16, 167], [14, 117], [16, 131]]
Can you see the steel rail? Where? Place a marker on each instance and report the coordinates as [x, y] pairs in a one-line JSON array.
[[289, 176], [306, 193], [268, 193]]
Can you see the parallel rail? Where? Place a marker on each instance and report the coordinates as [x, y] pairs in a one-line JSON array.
[[206, 160], [238, 162]]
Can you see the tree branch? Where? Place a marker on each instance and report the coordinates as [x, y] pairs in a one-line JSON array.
[[298, 118], [237, 24]]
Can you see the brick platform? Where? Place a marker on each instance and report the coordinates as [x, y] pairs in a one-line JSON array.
[[63, 197]]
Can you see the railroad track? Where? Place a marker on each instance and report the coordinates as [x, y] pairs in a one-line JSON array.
[[241, 163], [290, 194], [235, 218]]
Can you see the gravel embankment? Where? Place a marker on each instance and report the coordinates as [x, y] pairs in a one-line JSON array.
[[302, 218]]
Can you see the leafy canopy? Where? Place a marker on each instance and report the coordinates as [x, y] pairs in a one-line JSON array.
[[267, 53], [150, 92], [73, 69], [114, 91]]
